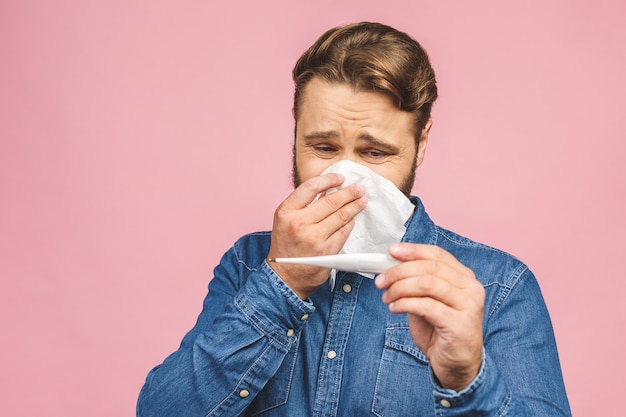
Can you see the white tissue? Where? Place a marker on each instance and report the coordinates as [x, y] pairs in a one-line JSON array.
[[381, 222]]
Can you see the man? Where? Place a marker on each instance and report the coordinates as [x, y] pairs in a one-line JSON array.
[[457, 328]]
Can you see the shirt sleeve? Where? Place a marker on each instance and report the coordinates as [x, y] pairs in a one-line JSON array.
[[487, 395], [250, 321], [520, 374]]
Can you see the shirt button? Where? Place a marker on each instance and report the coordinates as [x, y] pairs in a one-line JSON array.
[[290, 332], [445, 403], [244, 393], [346, 288], [332, 354], [304, 317]]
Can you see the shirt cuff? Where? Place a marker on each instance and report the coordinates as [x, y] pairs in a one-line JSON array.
[[273, 307], [487, 394]]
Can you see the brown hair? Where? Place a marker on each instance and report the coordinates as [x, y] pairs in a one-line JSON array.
[[372, 57]]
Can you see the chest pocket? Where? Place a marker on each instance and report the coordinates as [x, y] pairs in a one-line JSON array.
[[403, 384]]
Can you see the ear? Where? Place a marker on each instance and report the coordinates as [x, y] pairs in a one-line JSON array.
[[421, 147]]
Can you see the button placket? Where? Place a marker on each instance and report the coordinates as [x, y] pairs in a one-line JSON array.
[[331, 365]]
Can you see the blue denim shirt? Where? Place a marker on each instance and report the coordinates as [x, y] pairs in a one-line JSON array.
[[259, 350]]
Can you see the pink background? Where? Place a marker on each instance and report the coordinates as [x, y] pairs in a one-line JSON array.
[[139, 139]]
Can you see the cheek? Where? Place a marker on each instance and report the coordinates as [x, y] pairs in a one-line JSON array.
[[387, 172], [309, 166], [396, 173]]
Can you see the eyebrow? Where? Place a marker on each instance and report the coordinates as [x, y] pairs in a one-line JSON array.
[[365, 137], [379, 143], [326, 134]]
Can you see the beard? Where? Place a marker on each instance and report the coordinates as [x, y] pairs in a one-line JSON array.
[[405, 186]]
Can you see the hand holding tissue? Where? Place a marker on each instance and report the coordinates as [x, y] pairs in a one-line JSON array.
[[382, 222]]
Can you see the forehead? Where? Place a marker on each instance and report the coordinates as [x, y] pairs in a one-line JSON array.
[[318, 90], [332, 106]]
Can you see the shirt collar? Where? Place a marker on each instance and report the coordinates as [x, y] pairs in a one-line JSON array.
[[420, 228]]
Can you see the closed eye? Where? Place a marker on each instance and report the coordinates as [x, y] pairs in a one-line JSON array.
[[324, 148], [374, 153]]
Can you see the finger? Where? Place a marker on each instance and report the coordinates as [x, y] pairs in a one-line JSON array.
[[336, 220], [427, 270], [436, 255], [339, 236], [429, 287], [310, 189], [453, 271], [449, 324], [338, 204], [433, 312], [405, 251]]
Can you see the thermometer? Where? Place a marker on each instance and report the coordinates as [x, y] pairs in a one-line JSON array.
[[372, 263]]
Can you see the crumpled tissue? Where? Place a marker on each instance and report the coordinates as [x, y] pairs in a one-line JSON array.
[[381, 222]]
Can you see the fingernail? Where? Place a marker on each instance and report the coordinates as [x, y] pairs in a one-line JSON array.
[[380, 280], [395, 248]]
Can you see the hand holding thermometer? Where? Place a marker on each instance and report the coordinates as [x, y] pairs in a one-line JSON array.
[[372, 263]]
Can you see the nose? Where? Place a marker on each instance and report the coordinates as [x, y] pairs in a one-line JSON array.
[[349, 155]]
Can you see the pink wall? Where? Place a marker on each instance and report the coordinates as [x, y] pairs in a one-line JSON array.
[[139, 139]]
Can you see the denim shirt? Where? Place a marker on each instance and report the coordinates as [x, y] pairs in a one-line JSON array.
[[257, 349]]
